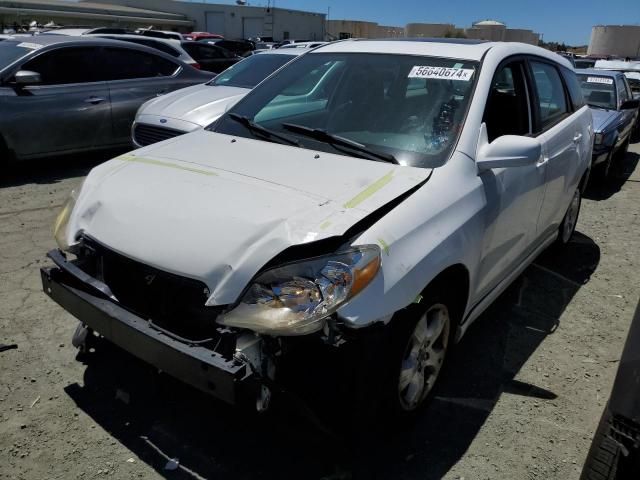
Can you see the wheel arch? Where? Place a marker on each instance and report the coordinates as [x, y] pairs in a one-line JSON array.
[[454, 282]]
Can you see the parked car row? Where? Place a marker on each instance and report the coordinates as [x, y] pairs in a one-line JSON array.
[[368, 200], [79, 93]]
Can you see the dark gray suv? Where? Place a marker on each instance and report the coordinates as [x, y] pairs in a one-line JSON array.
[[73, 94]]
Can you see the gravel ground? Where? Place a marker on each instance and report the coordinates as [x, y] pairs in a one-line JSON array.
[[520, 399]]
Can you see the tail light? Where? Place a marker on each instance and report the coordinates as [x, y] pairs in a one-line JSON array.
[[196, 65]]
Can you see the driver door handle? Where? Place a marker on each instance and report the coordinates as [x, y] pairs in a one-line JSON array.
[[94, 100], [577, 137]]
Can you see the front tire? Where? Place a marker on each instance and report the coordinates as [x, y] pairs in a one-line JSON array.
[[423, 356], [421, 336]]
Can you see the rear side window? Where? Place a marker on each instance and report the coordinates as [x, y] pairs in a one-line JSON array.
[[163, 47], [65, 66], [575, 91], [552, 102], [124, 64]]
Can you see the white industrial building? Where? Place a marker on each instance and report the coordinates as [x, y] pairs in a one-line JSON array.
[[231, 21], [21, 13], [239, 21], [615, 40]]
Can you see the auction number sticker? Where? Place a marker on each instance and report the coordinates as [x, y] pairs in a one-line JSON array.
[[30, 46], [442, 73], [606, 81]]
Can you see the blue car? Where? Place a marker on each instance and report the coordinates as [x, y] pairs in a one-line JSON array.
[[615, 116]]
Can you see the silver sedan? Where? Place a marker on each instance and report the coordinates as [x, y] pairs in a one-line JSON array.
[[72, 94]]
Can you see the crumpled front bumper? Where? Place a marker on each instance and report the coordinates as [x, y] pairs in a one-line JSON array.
[[201, 367]]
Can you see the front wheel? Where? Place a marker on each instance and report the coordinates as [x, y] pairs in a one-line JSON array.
[[421, 337], [570, 220]]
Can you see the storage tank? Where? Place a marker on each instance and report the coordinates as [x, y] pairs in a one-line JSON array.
[[615, 40], [487, 30]]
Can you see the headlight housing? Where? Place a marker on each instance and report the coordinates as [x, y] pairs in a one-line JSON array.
[[61, 225], [599, 139], [296, 299]]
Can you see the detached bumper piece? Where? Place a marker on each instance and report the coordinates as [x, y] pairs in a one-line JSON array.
[[87, 299]]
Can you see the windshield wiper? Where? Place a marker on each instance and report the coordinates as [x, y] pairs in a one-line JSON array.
[[265, 132], [336, 140]]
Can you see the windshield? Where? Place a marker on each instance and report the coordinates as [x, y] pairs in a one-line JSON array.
[[250, 72], [409, 107], [598, 91], [10, 51]]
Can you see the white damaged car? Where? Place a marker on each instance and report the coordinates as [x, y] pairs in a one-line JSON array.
[[366, 203]]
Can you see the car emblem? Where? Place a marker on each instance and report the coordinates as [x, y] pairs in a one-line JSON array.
[[163, 120]]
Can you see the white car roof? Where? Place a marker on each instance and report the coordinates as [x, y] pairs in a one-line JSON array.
[[464, 49], [68, 31], [292, 52]]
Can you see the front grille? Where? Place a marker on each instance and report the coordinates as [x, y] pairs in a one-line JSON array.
[[147, 134], [172, 302]]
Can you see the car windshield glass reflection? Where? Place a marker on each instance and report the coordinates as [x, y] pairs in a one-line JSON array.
[[409, 107], [248, 73], [598, 91]]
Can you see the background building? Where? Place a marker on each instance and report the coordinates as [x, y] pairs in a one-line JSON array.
[[239, 21], [615, 40], [483, 30], [22, 12], [342, 29], [496, 31], [428, 30]]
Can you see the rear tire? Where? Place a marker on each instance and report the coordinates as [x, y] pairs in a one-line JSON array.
[[568, 225], [604, 455]]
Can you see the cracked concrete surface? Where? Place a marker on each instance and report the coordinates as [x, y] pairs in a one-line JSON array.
[[520, 398]]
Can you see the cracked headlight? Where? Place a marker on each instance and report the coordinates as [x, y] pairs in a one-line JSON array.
[[296, 299], [61, 225]]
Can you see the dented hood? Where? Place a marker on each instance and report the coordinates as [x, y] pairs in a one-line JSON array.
[[217, 208]]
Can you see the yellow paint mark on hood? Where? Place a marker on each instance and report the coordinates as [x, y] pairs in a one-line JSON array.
[[384, 245], [158, 163], [369, 191]]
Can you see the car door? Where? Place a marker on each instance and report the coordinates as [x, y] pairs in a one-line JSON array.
[[514, 194], [135, 76], [564, 141], [628, 116], [69, 110]]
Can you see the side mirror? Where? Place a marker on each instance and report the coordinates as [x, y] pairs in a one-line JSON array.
[[507, 151], [630, 104], [26, 77]]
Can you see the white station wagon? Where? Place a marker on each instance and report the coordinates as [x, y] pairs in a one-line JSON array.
[[353, 214]]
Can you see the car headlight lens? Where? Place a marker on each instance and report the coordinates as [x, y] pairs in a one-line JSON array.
[[599, 138], [296, 299], [61, 225]]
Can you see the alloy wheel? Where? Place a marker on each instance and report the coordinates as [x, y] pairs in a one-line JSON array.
[[423, 357]]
